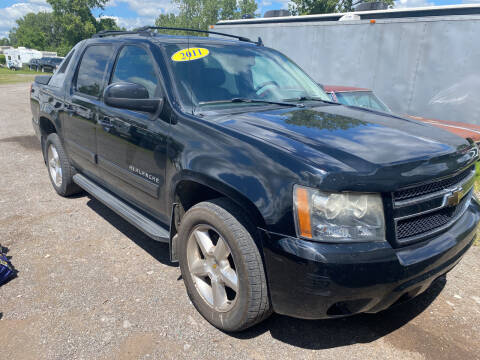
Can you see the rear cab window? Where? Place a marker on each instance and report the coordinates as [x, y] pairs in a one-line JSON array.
[[59, 76]]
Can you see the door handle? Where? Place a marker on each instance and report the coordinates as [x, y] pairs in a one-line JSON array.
[[106, 123]]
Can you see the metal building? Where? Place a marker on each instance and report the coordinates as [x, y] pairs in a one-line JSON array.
[[420, 61]]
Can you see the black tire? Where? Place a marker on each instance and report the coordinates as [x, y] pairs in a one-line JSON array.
[[67, 186], [252, 304]]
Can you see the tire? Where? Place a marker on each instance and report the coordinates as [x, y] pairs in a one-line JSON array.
[[59, 168], [221, 220]]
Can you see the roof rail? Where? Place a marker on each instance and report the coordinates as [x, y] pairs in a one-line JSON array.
[[104, 33], [145, 31]]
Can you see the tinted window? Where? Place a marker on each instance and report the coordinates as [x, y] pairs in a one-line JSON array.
[[223, 72], [59, 75], [361, 98], [92, 69], [135, 65]]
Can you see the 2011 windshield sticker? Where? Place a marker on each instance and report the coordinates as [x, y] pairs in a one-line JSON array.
[[190, 54]]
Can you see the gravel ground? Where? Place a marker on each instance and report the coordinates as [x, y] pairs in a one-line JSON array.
[[90, 286]]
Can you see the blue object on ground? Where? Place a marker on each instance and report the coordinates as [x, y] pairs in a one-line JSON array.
[[6, 269]]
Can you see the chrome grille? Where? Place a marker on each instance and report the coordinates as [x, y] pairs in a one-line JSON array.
[[430, 187], [428, 209], [425, 223]]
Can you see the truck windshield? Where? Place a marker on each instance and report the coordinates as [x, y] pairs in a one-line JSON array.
[[206, 74]]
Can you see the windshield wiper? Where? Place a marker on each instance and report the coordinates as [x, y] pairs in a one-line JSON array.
[[253, 101], [308, 98]]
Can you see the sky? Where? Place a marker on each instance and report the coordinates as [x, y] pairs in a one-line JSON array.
[[135, 13]]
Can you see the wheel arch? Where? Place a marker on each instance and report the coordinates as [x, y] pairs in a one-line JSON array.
[[190, 188], [47, 127]]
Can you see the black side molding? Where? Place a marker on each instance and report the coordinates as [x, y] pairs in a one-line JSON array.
[[149, 227]]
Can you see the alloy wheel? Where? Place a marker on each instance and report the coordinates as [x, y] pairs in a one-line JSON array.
[[54, 165], [212, 268]]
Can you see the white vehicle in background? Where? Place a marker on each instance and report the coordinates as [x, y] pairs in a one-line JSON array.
[[15, 58]]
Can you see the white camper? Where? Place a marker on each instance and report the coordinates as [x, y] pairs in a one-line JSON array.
[[15, 58]]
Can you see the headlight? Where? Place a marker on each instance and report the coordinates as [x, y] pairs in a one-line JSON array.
[[338, 217]]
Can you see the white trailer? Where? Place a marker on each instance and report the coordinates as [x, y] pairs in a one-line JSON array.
[[16, 58], [420, 61]]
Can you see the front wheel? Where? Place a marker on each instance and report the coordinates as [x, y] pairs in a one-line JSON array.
[[222, 267]]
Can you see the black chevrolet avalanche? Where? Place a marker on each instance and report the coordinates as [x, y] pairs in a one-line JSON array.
[[271, 197]]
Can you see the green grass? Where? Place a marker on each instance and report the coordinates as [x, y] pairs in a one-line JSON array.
[[8, 76], [477, 193]]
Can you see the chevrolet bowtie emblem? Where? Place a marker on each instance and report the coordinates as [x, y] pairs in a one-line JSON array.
[[454, 198]]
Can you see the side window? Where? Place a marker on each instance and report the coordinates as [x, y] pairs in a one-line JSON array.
[[92, 69], [135, 65], [59, 76]]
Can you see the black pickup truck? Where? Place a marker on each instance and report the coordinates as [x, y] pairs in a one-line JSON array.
[[271, 197]]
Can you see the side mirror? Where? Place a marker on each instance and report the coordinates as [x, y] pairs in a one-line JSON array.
[[130, 96]]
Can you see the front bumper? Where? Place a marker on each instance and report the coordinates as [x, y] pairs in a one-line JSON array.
[[314, 280]]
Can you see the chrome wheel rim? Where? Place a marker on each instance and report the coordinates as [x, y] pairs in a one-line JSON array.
[[212, 268], [54, 165]]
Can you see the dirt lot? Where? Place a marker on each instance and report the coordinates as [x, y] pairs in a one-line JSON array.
[[91, 286]]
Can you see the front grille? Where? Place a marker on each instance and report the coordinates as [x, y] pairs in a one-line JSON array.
[[425, 223], [426, 210], [431, 187]]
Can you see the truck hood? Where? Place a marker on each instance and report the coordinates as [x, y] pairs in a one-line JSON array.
[[461, 129], [350, 140]]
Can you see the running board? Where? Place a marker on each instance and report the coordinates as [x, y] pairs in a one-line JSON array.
[[149, 227]]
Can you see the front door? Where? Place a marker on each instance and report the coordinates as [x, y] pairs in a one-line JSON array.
[[132, 145]]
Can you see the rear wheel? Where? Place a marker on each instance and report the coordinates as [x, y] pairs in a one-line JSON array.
[[59, 168], [222, 267]]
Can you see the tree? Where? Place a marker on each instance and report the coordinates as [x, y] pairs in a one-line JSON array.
[[199, 14], [70, 22], [4, 42], [308, 7], [35, 31], [76, 22]]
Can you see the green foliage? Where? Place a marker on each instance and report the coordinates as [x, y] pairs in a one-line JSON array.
[[2, 59], [199, 14], [35, 31], [308, 7], [75, 20], [4, 42], [70, 22]]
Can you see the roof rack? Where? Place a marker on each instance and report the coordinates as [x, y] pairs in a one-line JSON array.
[[105, 33], [145, 31]]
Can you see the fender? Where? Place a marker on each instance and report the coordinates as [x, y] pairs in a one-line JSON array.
[[227, 190]]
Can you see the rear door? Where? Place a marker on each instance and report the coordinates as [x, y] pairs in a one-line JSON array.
[[79, 125], [132, 145]]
